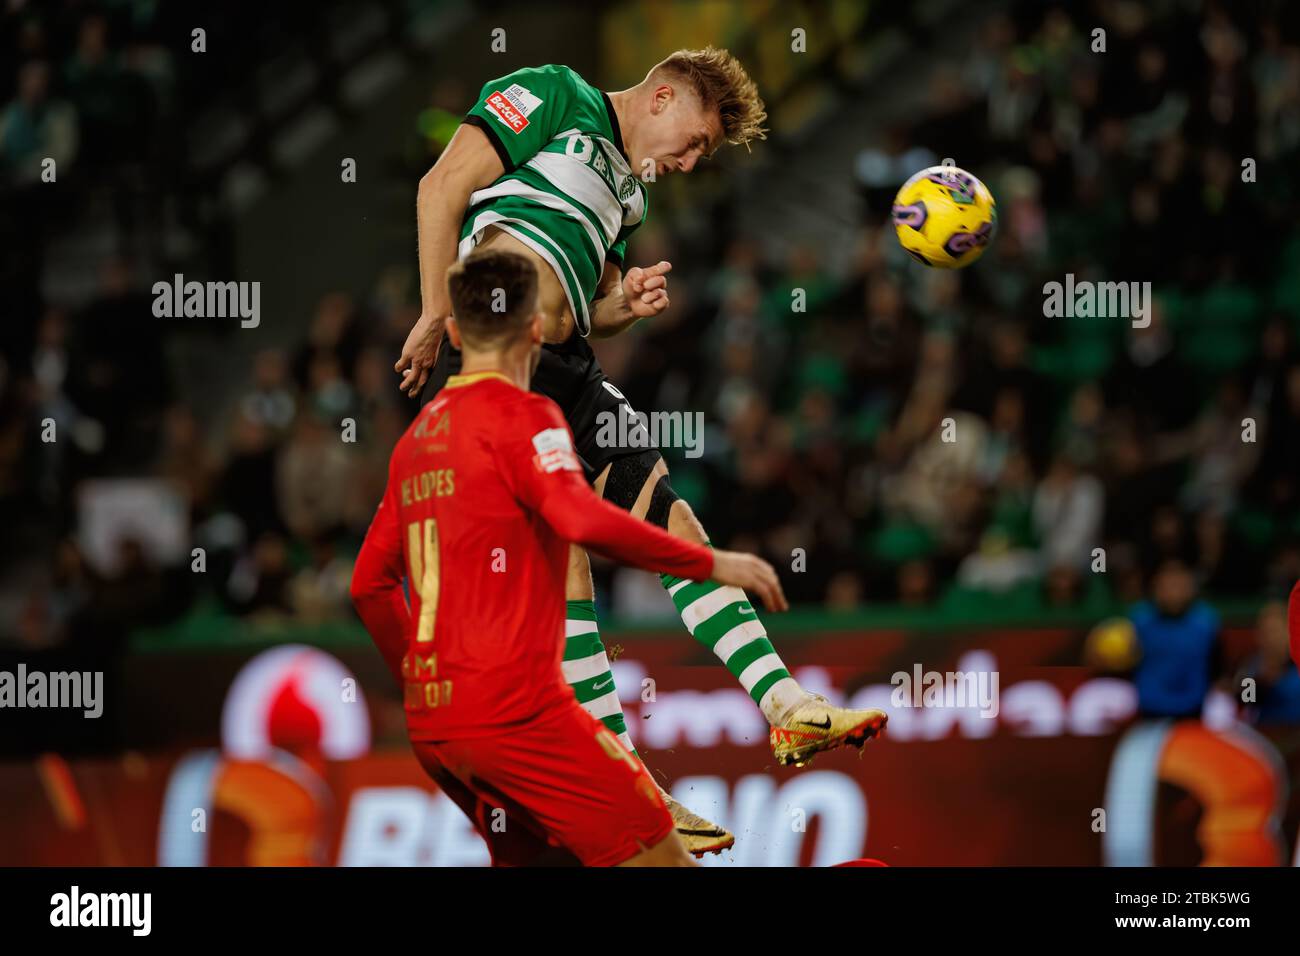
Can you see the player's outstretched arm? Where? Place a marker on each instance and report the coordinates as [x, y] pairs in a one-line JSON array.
[[377, 587], [623, 300], [536, 458], [574, 512], [468, 163]]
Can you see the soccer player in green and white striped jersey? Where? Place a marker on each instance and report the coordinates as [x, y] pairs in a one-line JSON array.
[[548, 166]]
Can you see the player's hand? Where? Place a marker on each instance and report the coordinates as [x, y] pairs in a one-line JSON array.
[[752, 574], [419, 354], [646, 289]]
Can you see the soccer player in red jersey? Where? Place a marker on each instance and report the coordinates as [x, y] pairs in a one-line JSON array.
[[484, 497]]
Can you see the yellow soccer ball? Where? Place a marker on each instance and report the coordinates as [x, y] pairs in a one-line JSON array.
[[945, 217], [1112, 645]]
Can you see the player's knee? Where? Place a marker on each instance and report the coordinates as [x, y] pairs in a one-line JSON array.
[[627, 476], [662, 502], [682, 522]]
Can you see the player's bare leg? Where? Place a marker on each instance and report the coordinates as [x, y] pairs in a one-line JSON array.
[[723, 619], [587, 670], [667, 852]]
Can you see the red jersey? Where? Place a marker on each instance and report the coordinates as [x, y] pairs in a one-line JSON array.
[[484, 496]]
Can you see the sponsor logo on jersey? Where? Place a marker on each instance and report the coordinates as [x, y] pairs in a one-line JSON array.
[[523, 98], [440, 420], [513, 105], [554, 451]]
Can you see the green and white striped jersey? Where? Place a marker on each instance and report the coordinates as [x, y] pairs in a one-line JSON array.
[[568, 191]]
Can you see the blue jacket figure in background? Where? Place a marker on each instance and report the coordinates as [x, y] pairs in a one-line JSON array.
[[1233, 774], [1178, 634]]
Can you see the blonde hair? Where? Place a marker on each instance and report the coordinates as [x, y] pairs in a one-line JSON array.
[[722, 84]]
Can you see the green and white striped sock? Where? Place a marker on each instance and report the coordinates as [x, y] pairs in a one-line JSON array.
[[586, 668], [721, 618]]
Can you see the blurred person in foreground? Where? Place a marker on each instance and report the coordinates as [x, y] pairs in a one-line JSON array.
[[485, 495]]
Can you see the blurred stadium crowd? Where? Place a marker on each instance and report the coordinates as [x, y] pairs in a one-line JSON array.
[[1072, 434]]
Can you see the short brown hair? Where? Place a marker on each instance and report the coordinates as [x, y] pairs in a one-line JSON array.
[[722, 84], [493, 294]]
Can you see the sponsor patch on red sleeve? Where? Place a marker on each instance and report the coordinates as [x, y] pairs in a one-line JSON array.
[[554, 451]]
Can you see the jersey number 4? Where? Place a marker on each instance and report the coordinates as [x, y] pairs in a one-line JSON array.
[[422, 560]]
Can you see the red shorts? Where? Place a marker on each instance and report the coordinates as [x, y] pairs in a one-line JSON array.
[[563, 781]]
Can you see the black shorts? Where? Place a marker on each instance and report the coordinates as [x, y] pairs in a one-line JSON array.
[[570, 376]]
